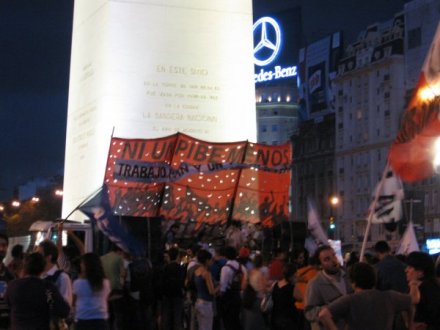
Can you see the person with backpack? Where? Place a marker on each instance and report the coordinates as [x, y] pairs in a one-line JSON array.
[[32, 300], [52, 273], [233, 279], [57, 276]]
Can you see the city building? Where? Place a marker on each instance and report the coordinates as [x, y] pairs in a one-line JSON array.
[[313, 168], [314, 143], [30, 188], [370, 97], [277, 39]]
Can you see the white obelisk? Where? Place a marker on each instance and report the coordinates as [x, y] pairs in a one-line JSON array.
[[150, 68]]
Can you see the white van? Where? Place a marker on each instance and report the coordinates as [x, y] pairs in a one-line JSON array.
[[41, 230]]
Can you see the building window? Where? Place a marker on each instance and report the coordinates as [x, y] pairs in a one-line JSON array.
[[414, 38], [263, 128], [274, 128]]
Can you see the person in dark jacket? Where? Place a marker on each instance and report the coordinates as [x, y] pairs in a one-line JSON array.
[[173, 277], [34, 301], [424, 290], [390, 270]]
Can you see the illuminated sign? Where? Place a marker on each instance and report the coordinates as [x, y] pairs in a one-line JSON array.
[[277, 73], [433, 245], [267, 46], [269, 43]]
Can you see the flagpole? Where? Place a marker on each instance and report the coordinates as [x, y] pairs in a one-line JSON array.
[[93, 194], [372, 208]]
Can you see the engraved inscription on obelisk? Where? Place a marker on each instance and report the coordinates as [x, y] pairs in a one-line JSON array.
[[150, 68]]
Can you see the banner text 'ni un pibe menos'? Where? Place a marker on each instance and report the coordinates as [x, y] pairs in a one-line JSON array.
[[183, 178]]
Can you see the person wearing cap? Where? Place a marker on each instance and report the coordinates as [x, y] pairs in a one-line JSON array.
[[243, 258], [424, 290]]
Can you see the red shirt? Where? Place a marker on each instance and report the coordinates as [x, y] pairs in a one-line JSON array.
[[276, 270]]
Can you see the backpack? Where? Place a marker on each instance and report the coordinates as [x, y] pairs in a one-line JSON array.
[[56, 323], [142, 280], [236, 279], [54, 277]]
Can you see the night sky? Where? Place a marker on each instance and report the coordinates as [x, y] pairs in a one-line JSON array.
[[35, 40]]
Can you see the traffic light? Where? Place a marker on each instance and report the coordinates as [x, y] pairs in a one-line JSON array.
[[332, 224]]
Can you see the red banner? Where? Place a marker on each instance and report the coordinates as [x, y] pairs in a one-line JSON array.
[[412, 153], [264, 186], [206, 193], [136, 173], [186, 179]]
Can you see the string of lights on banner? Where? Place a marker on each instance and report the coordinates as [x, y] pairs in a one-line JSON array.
[[182, 178]]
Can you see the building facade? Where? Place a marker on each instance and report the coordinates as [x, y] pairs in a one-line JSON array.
[[314, 142], [314, 167], [369, 102], [277, 39]]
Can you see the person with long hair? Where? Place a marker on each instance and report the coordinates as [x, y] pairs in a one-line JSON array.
[[205, 291], [90, 294]]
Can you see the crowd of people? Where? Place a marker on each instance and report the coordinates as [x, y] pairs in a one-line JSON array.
[[232, 286]]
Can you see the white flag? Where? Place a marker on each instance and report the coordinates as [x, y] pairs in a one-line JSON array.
[[314, 225], [310, 245], [388, 208], [408, 243]]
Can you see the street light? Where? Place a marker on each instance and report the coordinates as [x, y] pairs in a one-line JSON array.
[[35, 199], [59, 193], [334, 202], [15, 203]]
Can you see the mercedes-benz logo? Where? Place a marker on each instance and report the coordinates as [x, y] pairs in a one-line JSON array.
[[269, 43]]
